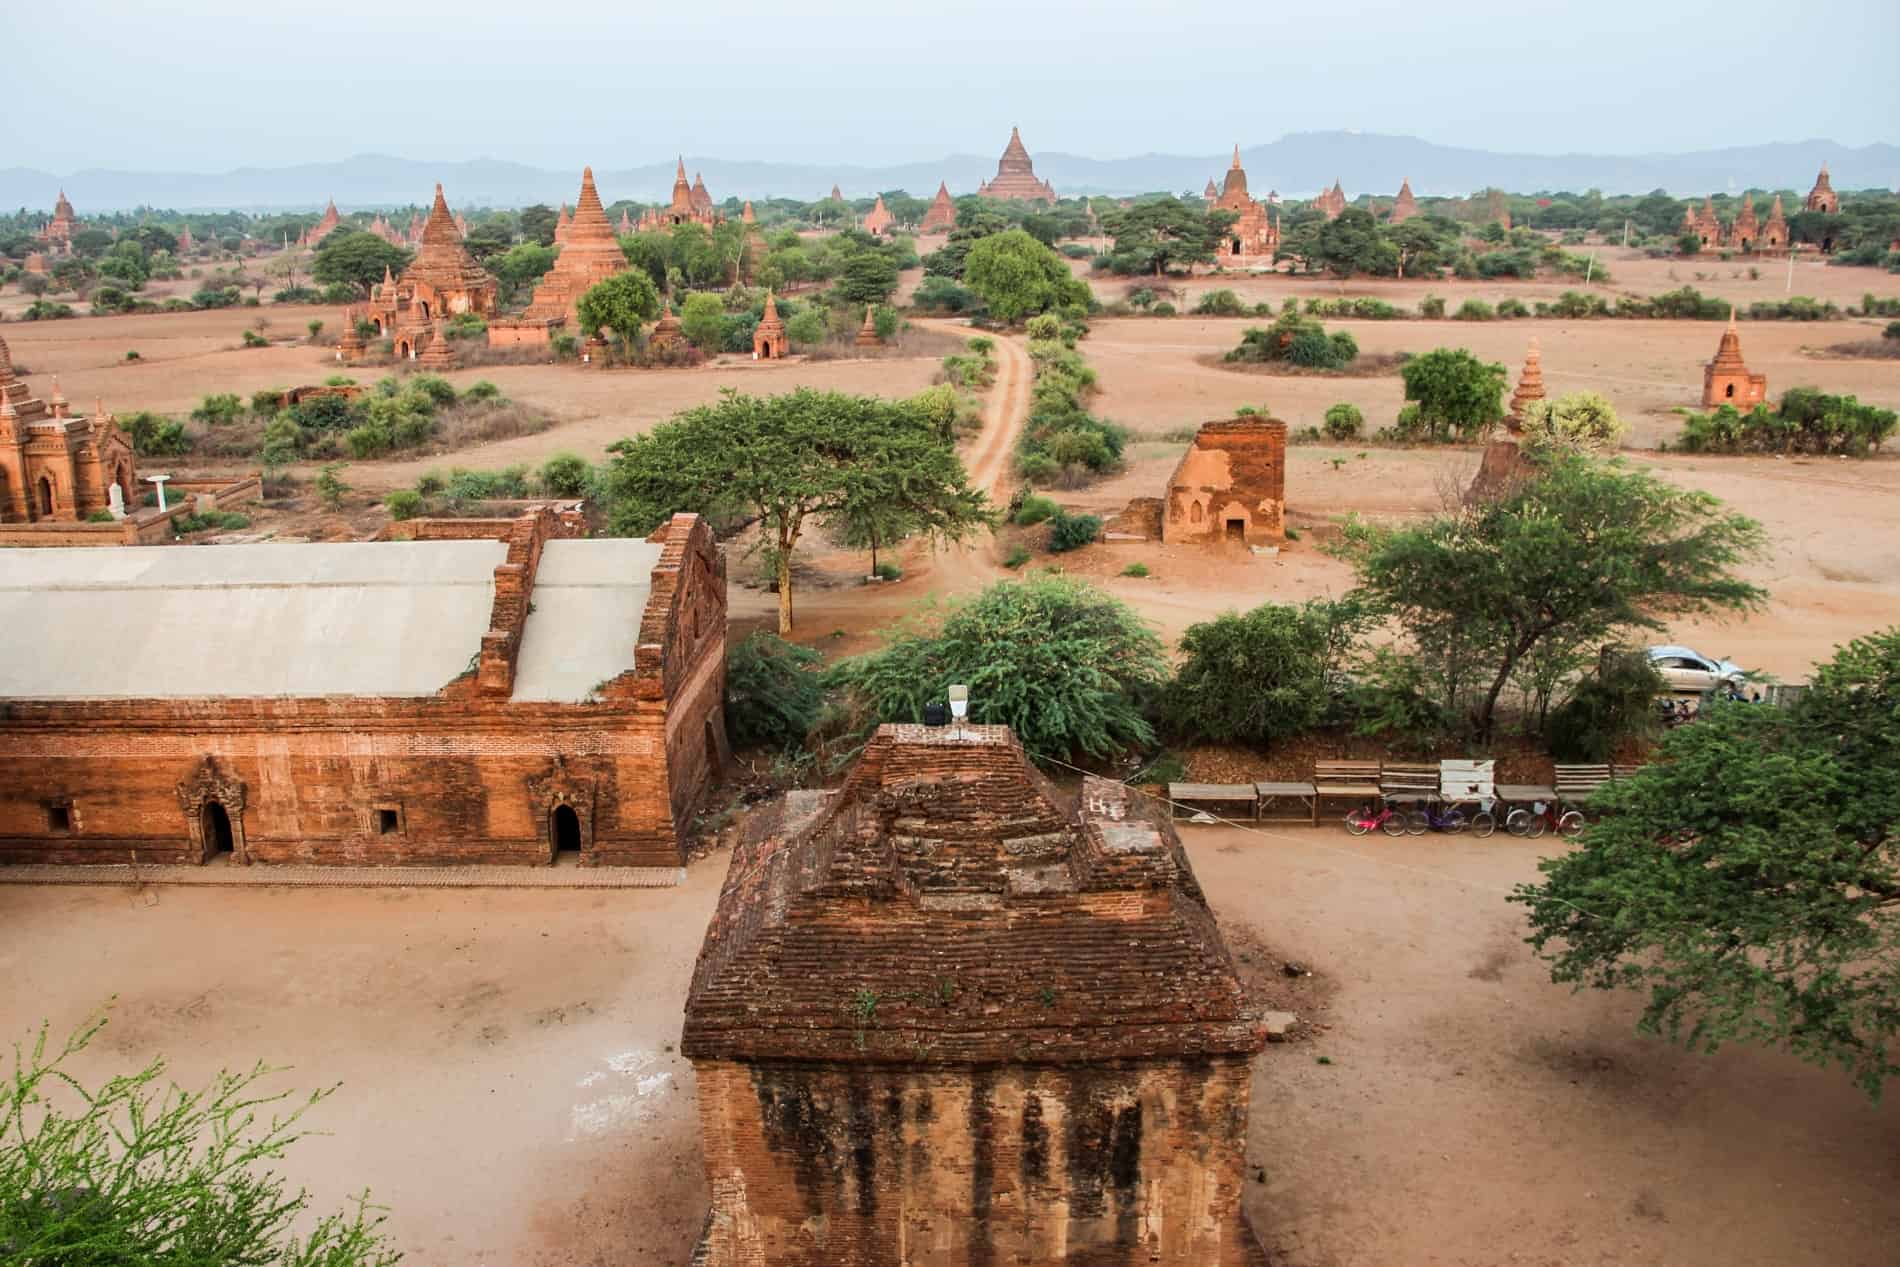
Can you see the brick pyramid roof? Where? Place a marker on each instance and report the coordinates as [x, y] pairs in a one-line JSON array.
[[878, 218], [1405, 206], [1530, 383], [942, 906], [1728, 353], [441, 259], [943, 211]]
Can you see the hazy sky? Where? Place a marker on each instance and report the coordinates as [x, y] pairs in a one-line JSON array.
[[208, 85]]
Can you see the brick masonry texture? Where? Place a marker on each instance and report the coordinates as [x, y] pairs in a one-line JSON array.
[[466, 776], [940, 1019], [1230, 484]]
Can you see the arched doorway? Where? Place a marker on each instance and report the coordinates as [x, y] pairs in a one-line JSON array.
[[564, 831], [46, 496], [217, 830]]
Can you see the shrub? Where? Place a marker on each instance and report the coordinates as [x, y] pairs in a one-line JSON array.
[[330, 486], [219, 410], [1512, 308], [1431, 306], [1344, 422], [941, 294], [1808, 421], [132, 354], [1581, 420], [1475, 310], [1135, 569], [466, 325], [1017, 556], [1606, 708], [100, 517], [154, 435], [438, 389], [403, 504], [1162, 309], [566, 475], [1072, 532], [325, 413], [266, 402], [1298, 340], [223, 520], [1220, 303], [888, 571], [1457, 396], [1036, 509], [1261, 676], [774, 692]]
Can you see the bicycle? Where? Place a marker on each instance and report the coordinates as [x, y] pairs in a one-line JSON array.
[[1535, 820], [1385, 818], [1452, 819]]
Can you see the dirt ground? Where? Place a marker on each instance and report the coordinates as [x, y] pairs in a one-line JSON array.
[[1471, 1113]]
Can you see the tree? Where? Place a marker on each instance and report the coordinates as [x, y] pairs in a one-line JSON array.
[[521, 265], [1017, 276], [140, 1170], [1586, 551], [1351, 244], [1455, 392], [538, 223], [703, 318], [869, 278], [1261, 676], [1581, 420], [786, 460], [485, 241], [1063, 664], [622, 303], [1749, 879], [356, 258], [1418, 246], [775, 691], [1161, 235]]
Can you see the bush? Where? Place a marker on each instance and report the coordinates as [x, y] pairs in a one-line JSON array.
[[1475, 310], [438, 389], [223, 520], [1581, 420], [1068, 667], [1606, 708], [1431, 306], [888, 572], [252, 339], [774, 692], [1297, 340], [1262, 676], [482, 389], [1072, 532], [466, 325], [266, 402], [566, 475], [219, 410], [1344, 422], [941, 294], [1162, 309], [330, 486], [1809, 421], [1458, 396], [403, 504], [1017, 556], [1512, 308], [1220, 303], [1036, 509], [1135, 570], [154, 435]]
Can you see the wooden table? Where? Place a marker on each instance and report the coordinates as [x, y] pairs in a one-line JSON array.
[[1220, 794], [1268, 795]]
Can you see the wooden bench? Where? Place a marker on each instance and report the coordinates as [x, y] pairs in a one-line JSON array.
[[1525, 793], [1575, 783], [1408, 782], [1357, 780], [1231, 798], [1268, 798], [1623, 771], [1464, 781]]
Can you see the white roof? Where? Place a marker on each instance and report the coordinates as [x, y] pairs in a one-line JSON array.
[[395, 618], [584, 622]]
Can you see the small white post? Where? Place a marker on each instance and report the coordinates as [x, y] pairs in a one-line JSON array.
[[959, 706], [1789, 289], [159, 480]]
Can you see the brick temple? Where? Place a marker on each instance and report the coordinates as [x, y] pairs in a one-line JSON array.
[[1726, 380], [442, 281], [1016, 175], [1332, 201], [1703, 225], [1230, 485], [1405, 206], [768, 337], [690, 204], [1822, 197], [57, 234], [1254, 236], [55, 467], [323, 228], [879, 221], [492, 691], [590, 254], [942, 216], [941, 1020]]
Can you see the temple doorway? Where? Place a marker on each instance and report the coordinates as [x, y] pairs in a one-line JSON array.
[[1237, 531], [46, 496], [564, 826], [217, 830]]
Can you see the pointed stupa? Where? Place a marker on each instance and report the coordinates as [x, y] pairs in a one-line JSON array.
[[626, 223], [1233, 191], [942, 216], [1728, 353], [667, 333], [702, 201], [867, 333], [1530, 382], [1210, 193], [835, 195], [1404, 207], [1016, 174], [57, 402], [561, 222], [1822, 197], [745, 214], [441, 259], [879, 218]]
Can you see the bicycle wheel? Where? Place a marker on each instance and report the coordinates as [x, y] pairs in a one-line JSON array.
[[1518, 822], [1394, 824], [1483, 823], [1416, 822], [1453, 822], [1357, 824], [1538, 825], [1571, 824]]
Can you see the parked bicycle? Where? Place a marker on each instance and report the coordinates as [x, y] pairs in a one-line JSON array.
[[1383, 818], [1534, 820], [1455, 818]]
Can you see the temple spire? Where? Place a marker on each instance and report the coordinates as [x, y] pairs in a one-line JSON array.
[[1236, 156]]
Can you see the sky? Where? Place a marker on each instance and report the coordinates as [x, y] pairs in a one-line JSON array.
[[209, 85]]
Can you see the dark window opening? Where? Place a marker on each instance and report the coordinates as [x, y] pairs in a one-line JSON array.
[[388, 822], [566, 829], [217, 825], [1236, 529], [59, 817]]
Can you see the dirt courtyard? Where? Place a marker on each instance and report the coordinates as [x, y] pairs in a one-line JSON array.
[[511, 1092]]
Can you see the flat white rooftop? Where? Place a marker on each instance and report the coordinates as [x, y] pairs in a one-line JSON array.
[[588, 600]]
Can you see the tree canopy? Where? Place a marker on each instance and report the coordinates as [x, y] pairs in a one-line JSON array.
[[1017, 277], [786, 460], [356, 258], [1456, 394], [1748, 879], [1162, 235], [621, 303], [1587, 550], [1261, 676], [1352, 244]]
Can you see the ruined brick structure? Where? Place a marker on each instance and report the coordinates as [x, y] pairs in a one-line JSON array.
[[667, 335], [867, 333], [1774, 234], [442, 281], [941, 1021], [1703, 225], [1504, 465], [1405, 206], [879, 220], [1211, 193], [1332, 201], [1230, 485], [55, 467], [591, 254], [57, 233], [768, 337], [1254, 236], [185, 244], [492, 691], [1016, 176], [942, 216], [1822, 197], [1726, 380], [1745, 233], [691, 204]]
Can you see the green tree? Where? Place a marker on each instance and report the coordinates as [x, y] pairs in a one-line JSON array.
[[1068, 667], [788, 460], [1456, 393], [137, 1169], [622, 303], [538, 222], [703, 318], [1262, 676], [521, 265], [775, 692], [1581, 420], [1587, 551], [869, 278], [1351, 244], [355, 258], [1749, 879], [1017, 277], [330, 486], [485, 241], [1162, 235]]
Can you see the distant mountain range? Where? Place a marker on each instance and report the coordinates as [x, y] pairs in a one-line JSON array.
[[1297, 165]]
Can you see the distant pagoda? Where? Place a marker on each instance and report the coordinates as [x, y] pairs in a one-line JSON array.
[[942, 216], [1016, 175]]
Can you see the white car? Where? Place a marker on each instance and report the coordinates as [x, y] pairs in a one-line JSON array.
[[1688, 670]]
